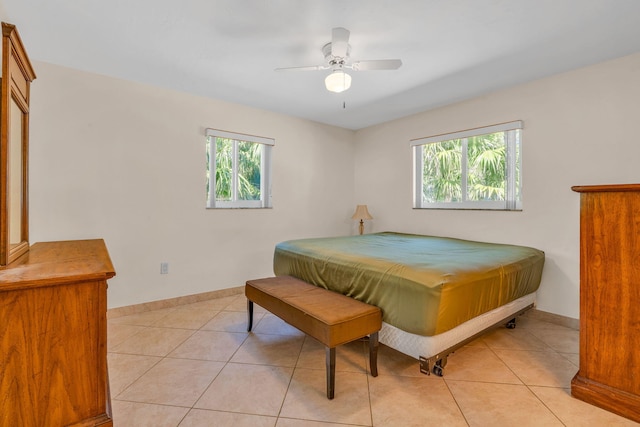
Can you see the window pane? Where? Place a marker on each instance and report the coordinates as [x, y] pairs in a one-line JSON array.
[[249, 162], [477, 168], [238, 170], [486, 177], [224, 169], [442, 171]]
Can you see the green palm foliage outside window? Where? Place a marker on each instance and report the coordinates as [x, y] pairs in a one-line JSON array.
[[487, 173], [442, 171], [472, 172], [248, 169], [237, 170]]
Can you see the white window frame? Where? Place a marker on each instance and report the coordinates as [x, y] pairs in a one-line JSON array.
[[513, 141], [265, 170]]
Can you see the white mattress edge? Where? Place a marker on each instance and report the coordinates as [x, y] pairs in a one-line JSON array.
[[417, 345]]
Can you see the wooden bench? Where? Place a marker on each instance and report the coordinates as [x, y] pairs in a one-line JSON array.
[[330, 317]]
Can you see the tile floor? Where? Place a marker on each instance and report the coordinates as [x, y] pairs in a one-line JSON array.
[[195, 365]]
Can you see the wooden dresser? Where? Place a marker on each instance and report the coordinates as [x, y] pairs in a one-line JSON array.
[[53, 336], [609, 374]]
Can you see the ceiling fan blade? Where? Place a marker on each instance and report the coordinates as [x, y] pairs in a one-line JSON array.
[[339, 42], [377, 64], [310, 68]]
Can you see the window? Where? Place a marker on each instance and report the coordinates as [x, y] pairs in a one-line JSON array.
[[238, 170], [473, 169]]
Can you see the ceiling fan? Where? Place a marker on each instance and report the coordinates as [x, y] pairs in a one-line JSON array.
[[337, 57]]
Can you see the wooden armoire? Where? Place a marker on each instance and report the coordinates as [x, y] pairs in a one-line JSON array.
[[53, 296], [609, 374]]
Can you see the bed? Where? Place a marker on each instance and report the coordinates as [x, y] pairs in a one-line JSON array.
[[435, 293]]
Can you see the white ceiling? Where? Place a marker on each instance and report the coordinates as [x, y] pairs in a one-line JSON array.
[[228, 49]]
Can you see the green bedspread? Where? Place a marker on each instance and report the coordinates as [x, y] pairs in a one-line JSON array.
[[424, 285]]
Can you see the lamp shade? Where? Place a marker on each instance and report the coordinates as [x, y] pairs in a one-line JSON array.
[[361, 213], [338, 81]]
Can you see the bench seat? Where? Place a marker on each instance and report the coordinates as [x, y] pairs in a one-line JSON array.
[[329, 317]]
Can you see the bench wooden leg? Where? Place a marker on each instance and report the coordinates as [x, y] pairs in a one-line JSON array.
[[373, 354], [331, 371], [250, 315]]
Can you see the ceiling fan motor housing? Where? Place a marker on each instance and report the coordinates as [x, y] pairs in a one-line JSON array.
[[336, 62]]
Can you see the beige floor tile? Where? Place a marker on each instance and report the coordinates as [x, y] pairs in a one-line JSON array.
[[231, 321], [562, 340], [513, 339], [307, 398], [216, 304], [542, 368], [118, 333], [210, 345], [349, 357], [124, 369], [476, 363], [248, 389], [186, 317], [148, 318], [271, 324], [526, 322], [153, 341], [407, 401], [485, 404], [392, 362], [576, 413], [135, 414], [178, 382], [205, 418], [240, 304], [572, 357], [290, 422], [477, 343], [265, 349], [480, 383]]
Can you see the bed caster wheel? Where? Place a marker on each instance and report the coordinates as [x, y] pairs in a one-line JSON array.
[[437, 370], [511, 324]]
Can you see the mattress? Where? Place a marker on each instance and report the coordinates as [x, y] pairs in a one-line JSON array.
[[424, 285]]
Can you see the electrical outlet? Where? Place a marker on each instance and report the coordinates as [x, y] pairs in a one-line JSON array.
[[164, 268]]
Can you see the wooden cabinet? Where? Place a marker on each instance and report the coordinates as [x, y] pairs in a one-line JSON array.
[[609, 374], [53, 336]]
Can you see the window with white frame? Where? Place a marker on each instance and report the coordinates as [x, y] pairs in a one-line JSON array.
[[472, 169], [238, 170]]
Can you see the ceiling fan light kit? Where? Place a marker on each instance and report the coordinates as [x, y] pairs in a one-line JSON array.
[[338, 81], [337, 57]]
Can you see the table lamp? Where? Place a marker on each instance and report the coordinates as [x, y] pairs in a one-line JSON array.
[[361, 213]]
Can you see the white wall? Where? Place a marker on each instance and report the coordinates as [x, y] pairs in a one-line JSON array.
[[579, 129], [125, 162]]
